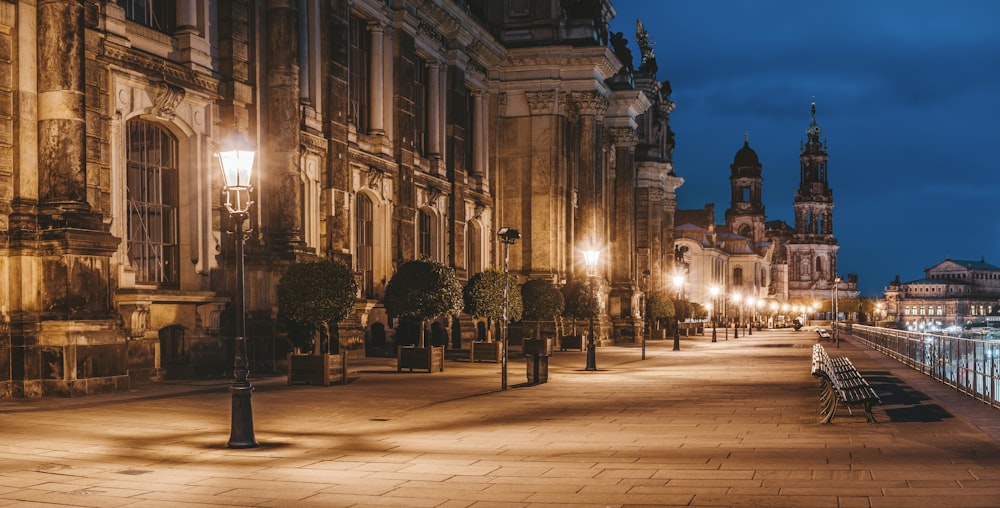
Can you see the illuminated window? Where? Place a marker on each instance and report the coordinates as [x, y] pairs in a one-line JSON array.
[[152, 204], [424, 233]]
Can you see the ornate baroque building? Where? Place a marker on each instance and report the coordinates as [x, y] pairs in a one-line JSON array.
[[385, 130], [952, 293], [769, 261]]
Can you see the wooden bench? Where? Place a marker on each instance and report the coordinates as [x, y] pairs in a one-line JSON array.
[[841, 383], [824, 335]]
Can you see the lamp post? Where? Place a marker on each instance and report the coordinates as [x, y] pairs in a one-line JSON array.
[[645, 329], [714, 291], [678, 284], [591, 257], [736, 324], [836, 303], [750, 314], [237, 165], [508, 236]]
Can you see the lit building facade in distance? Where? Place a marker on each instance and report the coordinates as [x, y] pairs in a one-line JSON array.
[[952, 293]]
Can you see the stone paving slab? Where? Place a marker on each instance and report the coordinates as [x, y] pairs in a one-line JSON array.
[[731, 423]]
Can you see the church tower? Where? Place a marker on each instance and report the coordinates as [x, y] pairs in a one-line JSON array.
[[812, 250], [745, 215]]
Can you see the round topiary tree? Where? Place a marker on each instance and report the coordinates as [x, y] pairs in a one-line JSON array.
[[580, 299], [659, 306], [483, 296], [422, 289], [315, 294], [542, 300]]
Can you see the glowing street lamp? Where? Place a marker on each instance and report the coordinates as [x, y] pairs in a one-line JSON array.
[[237, 166], [714, 291], [590, 258], [736, 324], [678, 285]]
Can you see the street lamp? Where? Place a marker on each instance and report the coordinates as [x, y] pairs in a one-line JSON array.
[[736, 324], [591, 257], [645, 317], [678, 284], [836, 304], [750, 314], [508, 236], [237, 165], [714, 291]]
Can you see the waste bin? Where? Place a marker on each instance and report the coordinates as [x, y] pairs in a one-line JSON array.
[[537, 368]]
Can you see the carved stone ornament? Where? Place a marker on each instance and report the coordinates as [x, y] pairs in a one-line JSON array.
[[541, 103], [135, 318], [166, 98]]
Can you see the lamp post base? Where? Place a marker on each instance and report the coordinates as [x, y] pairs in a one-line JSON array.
[[677, 338], [241, 427], [591, 353]]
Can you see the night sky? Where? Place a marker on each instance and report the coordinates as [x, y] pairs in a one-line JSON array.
[[906, 93]]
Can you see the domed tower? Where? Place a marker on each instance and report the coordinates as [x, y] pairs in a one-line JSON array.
[[812, 250], [745, 215]]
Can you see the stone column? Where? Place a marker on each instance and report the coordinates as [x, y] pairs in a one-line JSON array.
[[591, 107], [187, 15], [623, 214], [283, 197], [62, 174], [478, 135], [376, 121], [434, 109]]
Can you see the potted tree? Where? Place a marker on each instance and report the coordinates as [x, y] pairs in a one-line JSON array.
[[542, 301], [659, 306], [580, 303], [422, 290], [313, 296], [484, 298]]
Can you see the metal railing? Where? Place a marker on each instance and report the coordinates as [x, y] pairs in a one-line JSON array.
[[971, 366]]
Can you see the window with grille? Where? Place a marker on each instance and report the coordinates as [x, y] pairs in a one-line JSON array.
[[160, 15], [364, 227], [424, 233], [152, 204], [360, 48]]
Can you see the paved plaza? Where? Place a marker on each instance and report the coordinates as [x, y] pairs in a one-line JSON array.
[[732, 423]]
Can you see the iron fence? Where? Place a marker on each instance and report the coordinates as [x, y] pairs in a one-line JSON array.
[[971, 366]]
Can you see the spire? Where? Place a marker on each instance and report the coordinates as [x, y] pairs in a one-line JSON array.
[[813, 130]]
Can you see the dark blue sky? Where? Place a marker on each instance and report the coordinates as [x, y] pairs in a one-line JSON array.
[[906, 93]]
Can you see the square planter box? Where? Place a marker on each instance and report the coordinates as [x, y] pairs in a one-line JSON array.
[[537, 346], [430, 358], [485, 352], [571, 342], [322, 370]]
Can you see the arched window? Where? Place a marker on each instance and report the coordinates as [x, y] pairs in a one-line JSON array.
[[364, 227], [152, 195], [424, 233], [737, 277]]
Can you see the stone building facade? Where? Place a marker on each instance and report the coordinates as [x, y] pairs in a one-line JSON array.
[[953, 292], [385, 130], [769, 261]]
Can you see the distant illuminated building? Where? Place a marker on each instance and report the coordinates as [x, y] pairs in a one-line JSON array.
[[952, 293]]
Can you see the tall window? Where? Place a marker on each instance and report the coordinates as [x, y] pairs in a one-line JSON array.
[[159, 15], [738, 277], [420, 107], [364, 227], [360, 49], [472, 249], [424, 233], [152, 204]]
